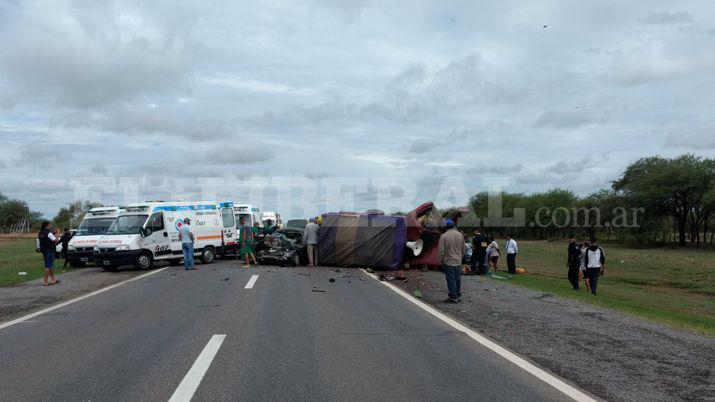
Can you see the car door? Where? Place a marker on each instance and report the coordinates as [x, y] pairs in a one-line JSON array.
[[229, 226], [158, 239]]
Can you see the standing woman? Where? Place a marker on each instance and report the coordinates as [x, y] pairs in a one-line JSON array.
[[493, 253]]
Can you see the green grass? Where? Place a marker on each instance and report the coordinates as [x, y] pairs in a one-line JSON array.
[[20, 256], [670, 286]]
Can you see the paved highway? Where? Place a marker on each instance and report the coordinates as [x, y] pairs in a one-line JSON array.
[[228, 333]]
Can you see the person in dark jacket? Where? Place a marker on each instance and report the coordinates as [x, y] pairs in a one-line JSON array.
[[64, 240], [573, 263], [595, 263], [479, 253], [47, 244]]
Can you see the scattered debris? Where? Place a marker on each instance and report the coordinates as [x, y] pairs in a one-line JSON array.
[[499, 277], [370, 270], [338, 270], [417, 293], [226, 279], [303, 273], [318, 290], [387, 277], [331, 280], [22, 273]]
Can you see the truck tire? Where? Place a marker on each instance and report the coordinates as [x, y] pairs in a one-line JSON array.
[[295, 260], [144, 261], [208, 255]]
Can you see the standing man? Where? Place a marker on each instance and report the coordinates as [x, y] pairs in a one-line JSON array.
[[573, 262], [247, 241], [511, 250], [479, 253], [46, 244], [595, 262], [187, 244], [310, 239], [65, 240], [451, 250]]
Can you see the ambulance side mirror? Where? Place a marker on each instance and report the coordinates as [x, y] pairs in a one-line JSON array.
[[146, 232]]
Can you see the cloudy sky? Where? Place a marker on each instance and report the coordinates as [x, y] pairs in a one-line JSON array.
[[122, 100]]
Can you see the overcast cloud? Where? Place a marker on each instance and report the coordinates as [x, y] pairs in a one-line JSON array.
[[174, 96]]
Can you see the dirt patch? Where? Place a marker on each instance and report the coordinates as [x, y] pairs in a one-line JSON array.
[[612, 355], [30, 296]]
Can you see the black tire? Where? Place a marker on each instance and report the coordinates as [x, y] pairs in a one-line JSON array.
[[110, 268], [208, 255], [295, 260], [144, 261]]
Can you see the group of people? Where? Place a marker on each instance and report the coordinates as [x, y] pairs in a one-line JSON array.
[[485, 253], [483, 259], [587, 262]]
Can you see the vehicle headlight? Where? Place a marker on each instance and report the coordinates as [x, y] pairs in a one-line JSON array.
[[96, 248], [122, 247], [71, 248]]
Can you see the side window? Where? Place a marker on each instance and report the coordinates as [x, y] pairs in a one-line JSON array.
[[228, 219], [156, 222]]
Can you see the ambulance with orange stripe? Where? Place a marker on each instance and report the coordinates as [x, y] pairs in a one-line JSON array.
[[147, 232]]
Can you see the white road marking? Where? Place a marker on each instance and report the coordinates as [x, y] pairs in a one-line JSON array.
[[541, 374], [251, 282], [185, 391], [75, 300]]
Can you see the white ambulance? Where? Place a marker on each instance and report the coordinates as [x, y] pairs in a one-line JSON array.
[[149, 231], [94, 225], [247, 211]]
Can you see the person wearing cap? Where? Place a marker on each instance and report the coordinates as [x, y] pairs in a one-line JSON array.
[[187, 244], [451, 249]]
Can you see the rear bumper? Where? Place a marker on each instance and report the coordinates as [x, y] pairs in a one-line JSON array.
[[116, 258]]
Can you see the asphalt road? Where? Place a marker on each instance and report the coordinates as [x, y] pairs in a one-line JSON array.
[[284, 340]]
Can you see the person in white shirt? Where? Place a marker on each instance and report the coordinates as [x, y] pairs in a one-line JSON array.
[[595, 262], [493, 254], [511, 249]]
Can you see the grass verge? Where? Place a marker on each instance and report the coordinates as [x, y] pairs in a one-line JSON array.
[[670, 286], [19, 255]]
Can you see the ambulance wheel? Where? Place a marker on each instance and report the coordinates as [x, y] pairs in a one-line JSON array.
[[143, 261], [208, 255]]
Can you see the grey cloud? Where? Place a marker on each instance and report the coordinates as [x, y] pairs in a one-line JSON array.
[[563, 118], [666, 17]]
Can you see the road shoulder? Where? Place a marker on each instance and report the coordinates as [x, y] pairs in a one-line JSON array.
[[614, 356], [31, 296]]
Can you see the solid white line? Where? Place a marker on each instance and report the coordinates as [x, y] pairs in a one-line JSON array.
[[251, 282], [75, 300], [541, 374], [185, 391]]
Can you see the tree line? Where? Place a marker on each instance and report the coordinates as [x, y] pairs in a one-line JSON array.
[[655, 201]]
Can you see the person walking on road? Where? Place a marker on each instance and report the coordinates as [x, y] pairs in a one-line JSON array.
[[451, 250], [310, 239], [65, 240], [479, 253], [511, 250], [493, 254], [187, 244], [595, 262], [573, 262], [47, 245]]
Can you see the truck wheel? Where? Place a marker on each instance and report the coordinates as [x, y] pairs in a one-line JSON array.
[[110, 268], [295, 260], [208, 256], [143, 261]]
